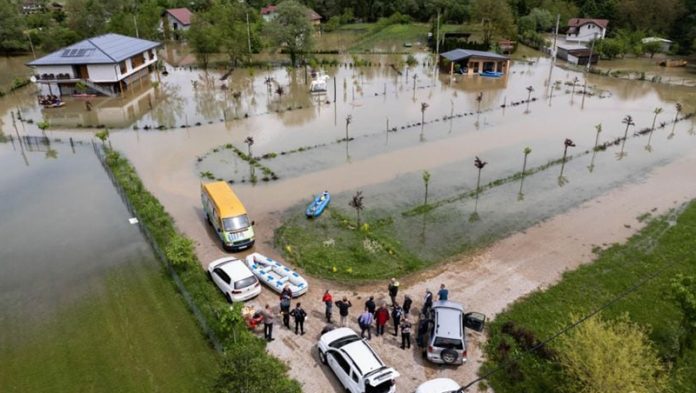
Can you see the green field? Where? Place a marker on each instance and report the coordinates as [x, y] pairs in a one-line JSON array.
[[664, 243], [135, 335]]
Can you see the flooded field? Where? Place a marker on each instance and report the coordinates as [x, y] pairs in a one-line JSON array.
[[84, 304], [308, 144]]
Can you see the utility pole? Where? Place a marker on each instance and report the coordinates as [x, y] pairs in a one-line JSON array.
[[135, 22], [248, 32], [31, 44], [589, 61], [555, 37], [437, 35]]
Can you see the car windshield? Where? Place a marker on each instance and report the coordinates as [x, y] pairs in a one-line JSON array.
[[448, 343], [344, 341], [235, 223], [245, 282]]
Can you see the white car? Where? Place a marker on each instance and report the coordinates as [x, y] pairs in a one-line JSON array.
[[234, 279], [439, 385], [355, 364]]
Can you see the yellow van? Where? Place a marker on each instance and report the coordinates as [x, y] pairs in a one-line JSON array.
[[227, 215]]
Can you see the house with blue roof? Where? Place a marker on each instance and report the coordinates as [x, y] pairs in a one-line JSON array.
[[473, 62], [108, 64]]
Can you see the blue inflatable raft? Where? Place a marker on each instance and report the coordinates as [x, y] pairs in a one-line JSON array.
[[318, 205]]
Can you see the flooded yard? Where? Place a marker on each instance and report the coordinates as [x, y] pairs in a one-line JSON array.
[[84, 304], [304, 144]]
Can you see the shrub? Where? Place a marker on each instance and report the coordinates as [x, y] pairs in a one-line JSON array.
[[180, 251]]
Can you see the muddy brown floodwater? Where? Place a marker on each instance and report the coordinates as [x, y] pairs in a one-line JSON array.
[[603, 211]]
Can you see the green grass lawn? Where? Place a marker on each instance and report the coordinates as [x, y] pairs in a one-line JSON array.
[[585, 289], [133, 335], [330, 246]]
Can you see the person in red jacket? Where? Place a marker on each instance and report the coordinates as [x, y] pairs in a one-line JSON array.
[[328, 301], [381, 316]]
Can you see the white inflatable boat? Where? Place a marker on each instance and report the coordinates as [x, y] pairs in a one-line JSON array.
[[276, 275]]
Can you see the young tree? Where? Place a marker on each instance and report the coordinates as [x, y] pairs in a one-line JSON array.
[[602, 356], [527, 150], [479, 165], [357, 203], [426, 181], [292, 30], [495, 16], [349, 119], [566, 144], [249, 141], [530, 90], [657, 111], [652, 47], [628, 121], [678, 107], [424, 106]]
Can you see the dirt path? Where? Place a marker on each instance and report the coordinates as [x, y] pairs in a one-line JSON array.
[[493, 278]]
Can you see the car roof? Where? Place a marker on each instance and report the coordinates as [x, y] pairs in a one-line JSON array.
[[335, 334], [449, 320], [438, 385], [236, 269], [363, 356]]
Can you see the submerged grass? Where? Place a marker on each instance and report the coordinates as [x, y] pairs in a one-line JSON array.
[[665, 241], [134, 336]]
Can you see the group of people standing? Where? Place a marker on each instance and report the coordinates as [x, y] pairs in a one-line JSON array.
[[380, 316], [298, 313], [372, 315]]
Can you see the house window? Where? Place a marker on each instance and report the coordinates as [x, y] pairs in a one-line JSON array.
[[151, 54], [138, 60], [122, 66]]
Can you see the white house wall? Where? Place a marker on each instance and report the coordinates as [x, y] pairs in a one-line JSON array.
[[103, 72], [587, 32]]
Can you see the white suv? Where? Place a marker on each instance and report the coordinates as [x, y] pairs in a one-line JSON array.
[[355, 364], [447, 339]]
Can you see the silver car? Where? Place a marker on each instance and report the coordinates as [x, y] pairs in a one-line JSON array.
[[446, 341]]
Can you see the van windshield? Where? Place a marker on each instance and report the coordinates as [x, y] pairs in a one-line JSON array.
[[235, 223]]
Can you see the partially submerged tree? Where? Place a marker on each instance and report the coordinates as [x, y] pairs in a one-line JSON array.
[[292, 30], [678, 107], [566, 144], [530, 90], [479, 165], [657, 111], [249, 142], [426, 181], [628, 121], [204, 38], [349, 119], [357, 203], [602, 356]]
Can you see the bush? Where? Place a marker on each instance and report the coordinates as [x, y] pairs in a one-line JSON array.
[[180, 251]]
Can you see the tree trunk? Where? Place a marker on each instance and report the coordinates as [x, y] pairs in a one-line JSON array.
[[357, 212], [426, 194], [478, 182], [654, 120], [524, 165]]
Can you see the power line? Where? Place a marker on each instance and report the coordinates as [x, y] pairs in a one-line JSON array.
[[604, 306]]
